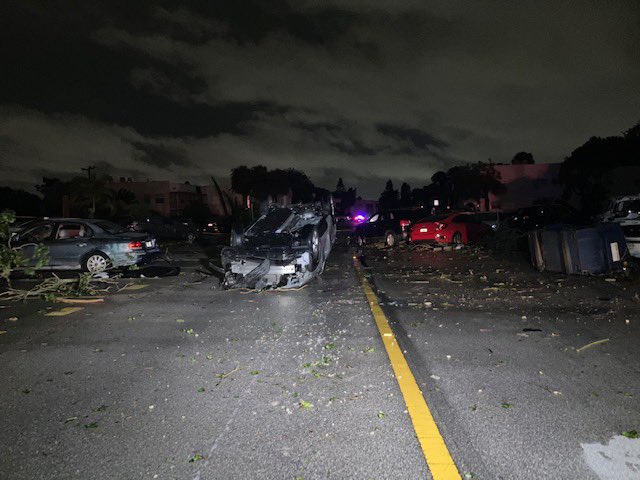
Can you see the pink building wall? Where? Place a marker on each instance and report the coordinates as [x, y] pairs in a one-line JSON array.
[[527, 185]]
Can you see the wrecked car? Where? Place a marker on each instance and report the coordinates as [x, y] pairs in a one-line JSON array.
[[285, 248]]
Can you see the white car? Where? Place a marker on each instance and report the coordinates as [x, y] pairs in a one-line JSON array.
[[626, 212]]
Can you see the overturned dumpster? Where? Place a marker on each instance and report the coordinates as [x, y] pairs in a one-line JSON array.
[[285, 248], [590, 250]]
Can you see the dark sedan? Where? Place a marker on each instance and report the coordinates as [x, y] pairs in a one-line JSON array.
[[165, 227], [389, 226], [90, 245]]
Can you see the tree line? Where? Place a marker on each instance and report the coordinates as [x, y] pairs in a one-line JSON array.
[[586, 175]]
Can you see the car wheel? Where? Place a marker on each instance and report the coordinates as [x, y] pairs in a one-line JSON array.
[[314, 244], [191, 237], [390, 239], [95, 262], [457, 238]]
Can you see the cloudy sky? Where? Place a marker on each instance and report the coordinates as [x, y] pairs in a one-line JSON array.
[[366, 90]]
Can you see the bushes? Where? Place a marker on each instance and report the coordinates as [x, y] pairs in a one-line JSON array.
[[12, 258]]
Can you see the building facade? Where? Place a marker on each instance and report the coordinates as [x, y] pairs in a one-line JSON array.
[[527, 185], [162, 196]]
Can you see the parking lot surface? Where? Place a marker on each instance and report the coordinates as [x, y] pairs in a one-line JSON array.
[[175, 378]]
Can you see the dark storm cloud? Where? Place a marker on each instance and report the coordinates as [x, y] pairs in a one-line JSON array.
[[417, 138], [251, 21], [354, 147], [160, 155], [57, 67], [318, 127], [393, 88]]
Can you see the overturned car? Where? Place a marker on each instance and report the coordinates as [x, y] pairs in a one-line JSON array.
[[286, 247]]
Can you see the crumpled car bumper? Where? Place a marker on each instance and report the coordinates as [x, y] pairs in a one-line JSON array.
[[277, 267]]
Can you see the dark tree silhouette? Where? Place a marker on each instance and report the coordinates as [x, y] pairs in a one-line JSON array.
[[20, 201], [440, 189], [241, 181], [53, 191], [389, 197], [261, 183], [583, 172], [523, 158], [344, 199], [475, 182], [405, 195]]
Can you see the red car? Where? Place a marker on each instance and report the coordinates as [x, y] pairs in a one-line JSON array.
[[460, 227]]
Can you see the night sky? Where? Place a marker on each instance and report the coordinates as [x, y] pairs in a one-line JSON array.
[[364, 90]]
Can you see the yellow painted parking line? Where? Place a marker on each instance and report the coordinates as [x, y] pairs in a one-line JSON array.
[[63, 311], [435, 451]]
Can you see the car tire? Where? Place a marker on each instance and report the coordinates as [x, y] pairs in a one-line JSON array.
[[390, 239], [457, 238], [314, 247], [95, 262]]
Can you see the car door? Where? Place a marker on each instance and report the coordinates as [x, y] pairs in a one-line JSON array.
[[69, 244], [28, 240], [389, 222], [371, 226]]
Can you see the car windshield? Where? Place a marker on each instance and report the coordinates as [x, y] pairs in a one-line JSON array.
[[630, 206], [110, 227]]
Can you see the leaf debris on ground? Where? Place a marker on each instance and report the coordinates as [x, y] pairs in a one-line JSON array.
[[592, 344]]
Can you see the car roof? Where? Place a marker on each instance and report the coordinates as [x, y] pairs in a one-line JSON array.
[[71, 219]]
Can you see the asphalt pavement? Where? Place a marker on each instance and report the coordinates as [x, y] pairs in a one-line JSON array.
[[174, 378], [183, 380], [507, 356]]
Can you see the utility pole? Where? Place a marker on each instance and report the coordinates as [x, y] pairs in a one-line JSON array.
[[88, 170]]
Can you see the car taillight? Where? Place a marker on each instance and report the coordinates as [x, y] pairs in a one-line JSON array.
[[134, 245], [404, 223]]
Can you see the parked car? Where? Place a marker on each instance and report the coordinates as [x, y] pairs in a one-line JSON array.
[[215, 226], [286, 247], [457, 228], [538, 216], [495, 220], [89, 245], [626, 212], [165, 227], [389, 226]]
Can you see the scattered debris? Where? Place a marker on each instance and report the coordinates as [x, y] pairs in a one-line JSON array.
[[196, 458], [80, 300], [592, 344], [63, 311]]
